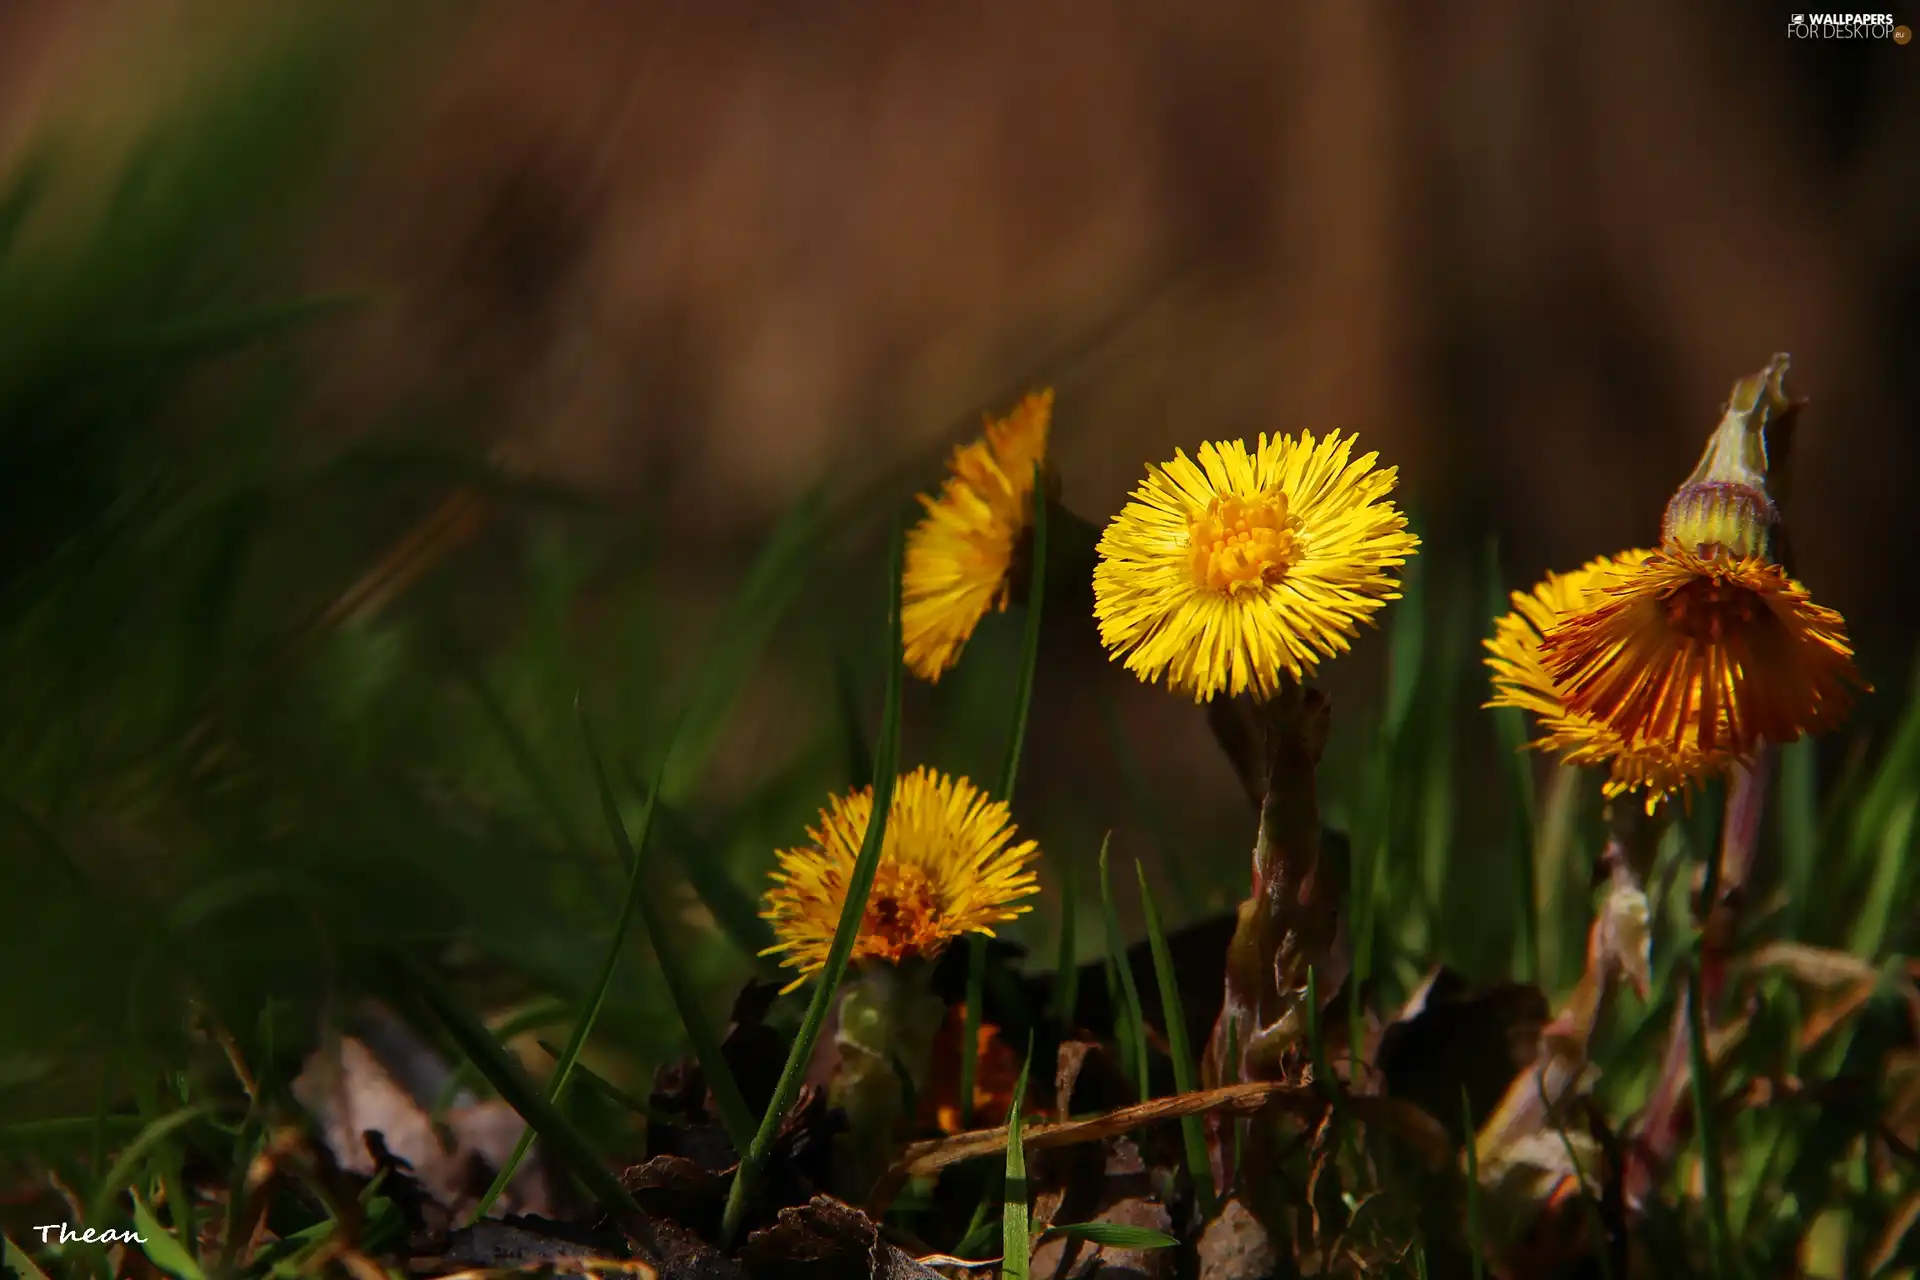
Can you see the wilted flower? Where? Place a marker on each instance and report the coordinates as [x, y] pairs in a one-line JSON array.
[[1521, 679], [949, 866], [1706, 643], [959, 556], [1228, 570]]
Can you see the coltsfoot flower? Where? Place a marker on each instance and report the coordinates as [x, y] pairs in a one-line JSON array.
[[950, 865], [1521, 679], [959, 556], [1713, 652], [1233, 569], [1707, 644]]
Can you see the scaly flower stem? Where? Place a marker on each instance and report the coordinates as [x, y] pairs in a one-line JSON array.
[[1664, 1122]]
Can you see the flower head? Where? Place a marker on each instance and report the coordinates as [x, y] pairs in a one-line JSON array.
[[1233, 567], [949, 866], [1705, 648], [1716, 653], [959, 555], [1521, 679]]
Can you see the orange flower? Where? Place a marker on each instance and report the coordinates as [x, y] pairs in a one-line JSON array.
[[1720, 653]]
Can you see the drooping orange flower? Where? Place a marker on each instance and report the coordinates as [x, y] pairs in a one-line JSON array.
[[1725, 653], [1521, 680], [1708, 644]]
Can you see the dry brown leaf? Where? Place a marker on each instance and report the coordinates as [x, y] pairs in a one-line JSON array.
[[829, 1239], [1236, 1246]]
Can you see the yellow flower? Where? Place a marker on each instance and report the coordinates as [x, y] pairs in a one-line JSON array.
[[958, 556], [1723, 652], [1521, 679], [949, 866], [1231, 568]]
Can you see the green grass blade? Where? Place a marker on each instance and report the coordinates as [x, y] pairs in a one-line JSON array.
[[1894, 780], [1799, 794], [1706, 1122], [127, 1164], [1114, 1235], [14, 1261], [853, 734], [1066, 965], [525, 758], [748, 623], [1476, 1226], [511, 1083], [734, 1116], [860, 884], [1016, 1247], [1875, 915], [735, 910], [605, 1087], [1029, 644], [1009, 775], [162, 1247], [1185, 1078], [1406, 642], [1510, 731], [1135, 1063]]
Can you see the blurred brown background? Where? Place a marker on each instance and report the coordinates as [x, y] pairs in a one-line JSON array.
[[1523, 249]]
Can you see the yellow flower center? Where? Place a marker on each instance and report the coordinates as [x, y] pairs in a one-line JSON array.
[[1241, 543], [903, 913]]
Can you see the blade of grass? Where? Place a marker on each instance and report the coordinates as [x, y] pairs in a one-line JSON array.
[[162, 1247], [1706, 1121], [128, 1163], [511, 1083], [743, 631], [1510, 731], [605, 1087], [1066, 965], [981, 1226], [1136, 1063], [1009, 775], [14, 1261], [1476, 1229], [733, 908], [1114, 1235], [1875, 915], [1193, 1129], [1029, 644], [1706, 1124], [1016, 1247], [859, 886], [1799, 798], [734, 1115], [853, 737]]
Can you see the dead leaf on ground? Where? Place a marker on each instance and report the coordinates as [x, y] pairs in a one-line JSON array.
[[1235, 1246], [351, 1092], [827, 1239]]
